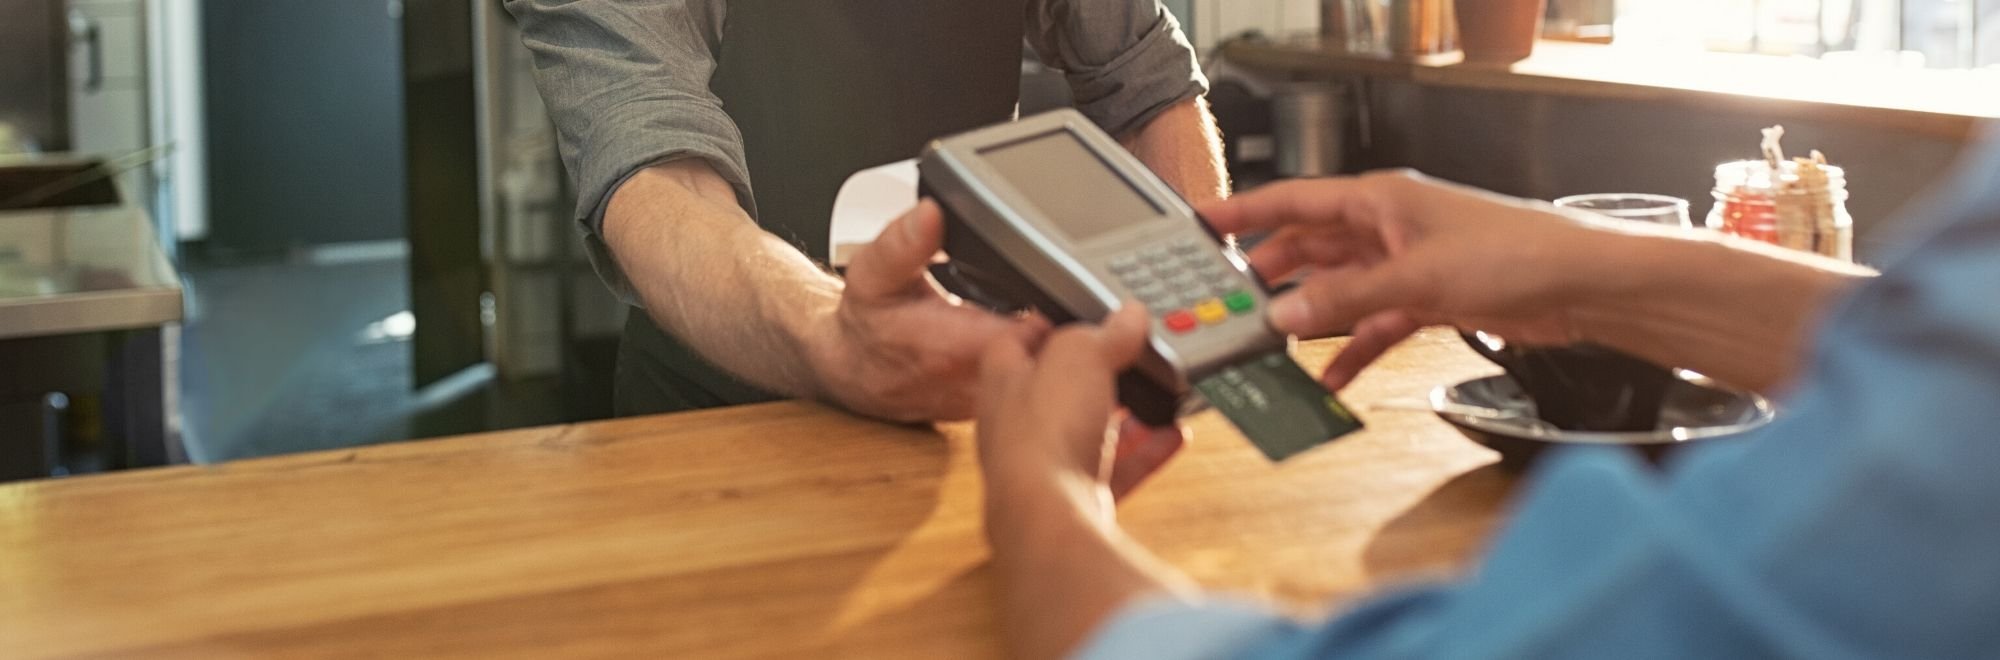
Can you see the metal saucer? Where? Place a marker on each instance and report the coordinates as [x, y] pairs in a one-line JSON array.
[[1695, 408]]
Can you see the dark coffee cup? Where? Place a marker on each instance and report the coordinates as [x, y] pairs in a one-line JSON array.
[[1584, 387]]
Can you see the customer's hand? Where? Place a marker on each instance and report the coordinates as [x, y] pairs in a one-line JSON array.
[[1044, 413], [897, 346], [1385, 254]]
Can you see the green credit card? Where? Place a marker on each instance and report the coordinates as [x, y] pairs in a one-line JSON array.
[[1276, 404]]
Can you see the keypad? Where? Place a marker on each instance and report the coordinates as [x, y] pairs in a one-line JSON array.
[[1186, 284], [1125, 266]]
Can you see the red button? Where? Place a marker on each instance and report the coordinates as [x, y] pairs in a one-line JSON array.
[[1181, 321]]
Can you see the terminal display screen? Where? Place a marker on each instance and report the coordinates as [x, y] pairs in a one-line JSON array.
[[1070, 184]]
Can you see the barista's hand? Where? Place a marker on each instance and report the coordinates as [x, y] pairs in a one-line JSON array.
[[1043, 413], [898, 347], [1388, 253]]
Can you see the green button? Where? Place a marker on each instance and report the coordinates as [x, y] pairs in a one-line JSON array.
[[1240, 301]]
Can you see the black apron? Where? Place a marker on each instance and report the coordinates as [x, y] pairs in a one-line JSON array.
[[821, 89]]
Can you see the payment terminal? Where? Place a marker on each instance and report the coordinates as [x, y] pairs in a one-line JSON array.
[[1050, 213]]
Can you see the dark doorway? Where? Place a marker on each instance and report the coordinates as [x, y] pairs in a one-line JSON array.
[[305, 123]]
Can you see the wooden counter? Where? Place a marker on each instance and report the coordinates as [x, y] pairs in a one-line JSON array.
[[783, 531], [1947, 104]]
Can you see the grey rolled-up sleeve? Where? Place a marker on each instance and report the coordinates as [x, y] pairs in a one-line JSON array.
[[627, 83], [1126, 60]]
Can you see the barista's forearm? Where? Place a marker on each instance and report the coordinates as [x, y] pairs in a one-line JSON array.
[[1737, 310], [740, 296], [1183, 146]]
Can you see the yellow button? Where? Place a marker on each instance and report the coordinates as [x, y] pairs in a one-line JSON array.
[[1211, 311]]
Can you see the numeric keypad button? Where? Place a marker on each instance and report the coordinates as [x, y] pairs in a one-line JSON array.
[[1124, 266], [1153, 295]]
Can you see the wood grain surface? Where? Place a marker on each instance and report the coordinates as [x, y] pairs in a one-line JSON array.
[[777, 531]]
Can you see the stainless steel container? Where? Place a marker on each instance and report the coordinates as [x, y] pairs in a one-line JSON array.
[[1355, 26], [1311, 127]]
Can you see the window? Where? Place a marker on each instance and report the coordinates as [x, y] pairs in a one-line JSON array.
[[1946, 34]]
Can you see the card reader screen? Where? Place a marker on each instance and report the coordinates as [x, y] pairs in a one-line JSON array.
[[1071, 185]]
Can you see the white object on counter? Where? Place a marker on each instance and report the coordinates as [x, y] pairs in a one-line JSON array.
[[10, 140], [867, 203]]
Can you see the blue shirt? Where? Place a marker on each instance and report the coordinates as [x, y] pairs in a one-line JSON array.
[[1864, 523]]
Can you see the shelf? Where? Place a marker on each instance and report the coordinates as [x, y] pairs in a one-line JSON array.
[[1949, 104]]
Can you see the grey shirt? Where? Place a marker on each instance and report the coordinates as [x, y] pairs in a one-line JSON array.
[[627, 83]]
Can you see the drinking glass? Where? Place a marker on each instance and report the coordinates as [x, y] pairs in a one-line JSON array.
[[1356, 26], [1637, 207]]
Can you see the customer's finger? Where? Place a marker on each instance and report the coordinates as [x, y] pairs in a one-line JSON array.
[[946, 335], [895, 262], [1079, 363], [1287, 251], [1333, 301], [1285, 203], [1002, 367], [1084, 349], [1373, 336], [1278, 257], [1124, 335]]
